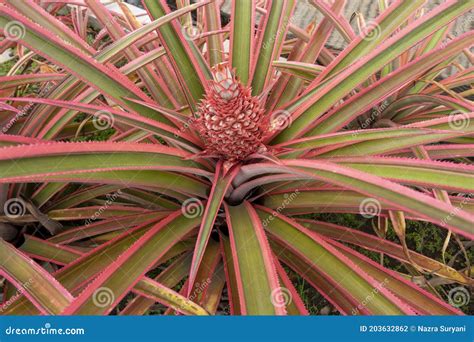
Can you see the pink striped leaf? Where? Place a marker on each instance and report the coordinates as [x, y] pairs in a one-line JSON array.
[[45, 292], [422, 301], [255, 272], [219, 189], [336, 268], [401, 197], [315, 101], [375, 243], [122, 275]]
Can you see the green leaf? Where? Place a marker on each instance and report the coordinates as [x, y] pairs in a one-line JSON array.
[[50, 159], [219, 188], [156, 180], [338, 270], [164, 295], [255, 272], [231, 275], [170, 277], [190, 65], [39, 15], [121, 275], [100, 77], [74, 276], [402, 197], [215, 41], [242, 37], [397, 15], [276, 24], [387, 144], [105, 226], [435, 175], [392, 82], [105, 79], [422, 301], [113, 49], [316, 101], [374, 243], [47, 251], [306, 71], [353, 137], [48, 295]]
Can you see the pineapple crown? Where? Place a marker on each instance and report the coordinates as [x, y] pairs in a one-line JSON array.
[[224, 84]]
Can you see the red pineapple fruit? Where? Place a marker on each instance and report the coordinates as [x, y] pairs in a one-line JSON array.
[[231, 121]]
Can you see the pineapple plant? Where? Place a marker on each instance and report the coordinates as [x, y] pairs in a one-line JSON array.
[[169, 162]]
